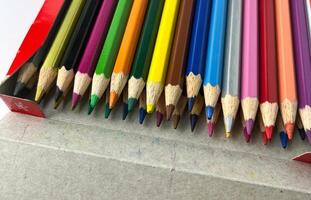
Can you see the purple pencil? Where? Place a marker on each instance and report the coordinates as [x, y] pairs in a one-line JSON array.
[[92, 50], [303, 63], [249, 76]]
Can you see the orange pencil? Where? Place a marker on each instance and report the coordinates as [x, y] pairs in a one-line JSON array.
[[286, 70], [127, 49]]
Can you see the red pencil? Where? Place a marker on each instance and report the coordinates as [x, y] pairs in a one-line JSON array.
[[268, 94]]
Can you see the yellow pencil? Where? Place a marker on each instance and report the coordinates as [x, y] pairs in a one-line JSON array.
[[161, 54]]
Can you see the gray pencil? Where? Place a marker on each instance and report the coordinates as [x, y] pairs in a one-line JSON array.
[[230, 98]]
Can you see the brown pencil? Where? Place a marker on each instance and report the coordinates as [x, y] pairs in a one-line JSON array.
[[196, 111], [179, 110], [160, 110]]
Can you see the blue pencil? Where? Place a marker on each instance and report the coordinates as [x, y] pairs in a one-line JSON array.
[[215, 54], [197, 52]]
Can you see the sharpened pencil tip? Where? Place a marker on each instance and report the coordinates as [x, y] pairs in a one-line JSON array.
[[39, 94], [159, 117], [210, 128], [92, 103], [142, 115], [289, 127], [269, 132], [193, 121], [228, 124], [131, 104], [19, 88], [228, 135], [302, 133], [247, 137], [308, 134], [249, 125], [175, 120], [150, 108], [58, 97], [209, 111], [75, 99], [190, 103], [264, 138], [125, 111], [113, 98], [169, 111], [284, 139], [107, 111]]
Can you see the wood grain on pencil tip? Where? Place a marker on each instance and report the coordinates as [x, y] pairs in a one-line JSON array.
[[175, 73], [127, 50]]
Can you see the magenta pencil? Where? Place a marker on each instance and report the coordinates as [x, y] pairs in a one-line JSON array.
[[249, 76], [92, 50]]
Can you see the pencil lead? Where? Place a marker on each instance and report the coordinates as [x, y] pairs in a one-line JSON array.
[[142, 115], [75, 100], [190, 103], [302, 133], [92, 103], [58, 97], [107, 111], [19, 88], [228, 124], [264, 138], [247, 137], [210, 128], [169, 111], [150, 108], [209, 110], [159, 117], [39, 94], [249, 125], [113, 98], [193, 121], [228, 135], [131, 104], [308, 134], [289, 128], [125, 111], [175, 120], [269, 132], [284, 139]]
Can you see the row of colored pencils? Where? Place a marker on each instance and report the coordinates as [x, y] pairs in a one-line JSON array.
[[158, 54]]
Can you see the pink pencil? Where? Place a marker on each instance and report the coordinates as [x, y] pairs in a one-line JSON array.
[[92, 50], [249, 76]]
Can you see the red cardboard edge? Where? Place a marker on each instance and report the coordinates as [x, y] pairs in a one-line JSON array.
[[37, 33], [305, 157]]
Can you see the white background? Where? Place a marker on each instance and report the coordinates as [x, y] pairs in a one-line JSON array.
[[16, 16]]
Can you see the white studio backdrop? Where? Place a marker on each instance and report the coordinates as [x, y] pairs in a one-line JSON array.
[[16, 16]]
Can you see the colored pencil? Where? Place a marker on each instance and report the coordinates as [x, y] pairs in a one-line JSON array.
[[109, 52], [142, 60], [197, 50], [49, 69], [125, 104], [249, 77], [89, 58], [175, 73], [142, 107], [73, 52], [179, 110], [196, 111], [160, 58], [303, 63], [126, 53], [282, 132], [230, 95], [308, 13], [32, 66], [107, 110], [268, 92], [261, 128], [211, 124], [215, 54], [300, 128], [160, 110], [286, 70]]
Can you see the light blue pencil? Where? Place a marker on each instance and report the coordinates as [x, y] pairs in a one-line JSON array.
[[214, 60], [230, 94]]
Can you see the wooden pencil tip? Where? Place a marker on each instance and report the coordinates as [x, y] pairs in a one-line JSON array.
[[247, 137], [159, 117], [284, 139], [75, 100], [125, 111], [142, 115], [175, 120], [39, 94], [210, 128], [169, 111], [269, 132], [113, 98], [150, 108], [302, 133], [289, 127], [228, 135], [19, 88]]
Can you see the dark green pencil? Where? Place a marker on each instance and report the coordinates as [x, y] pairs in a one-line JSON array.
[[144, 52]]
